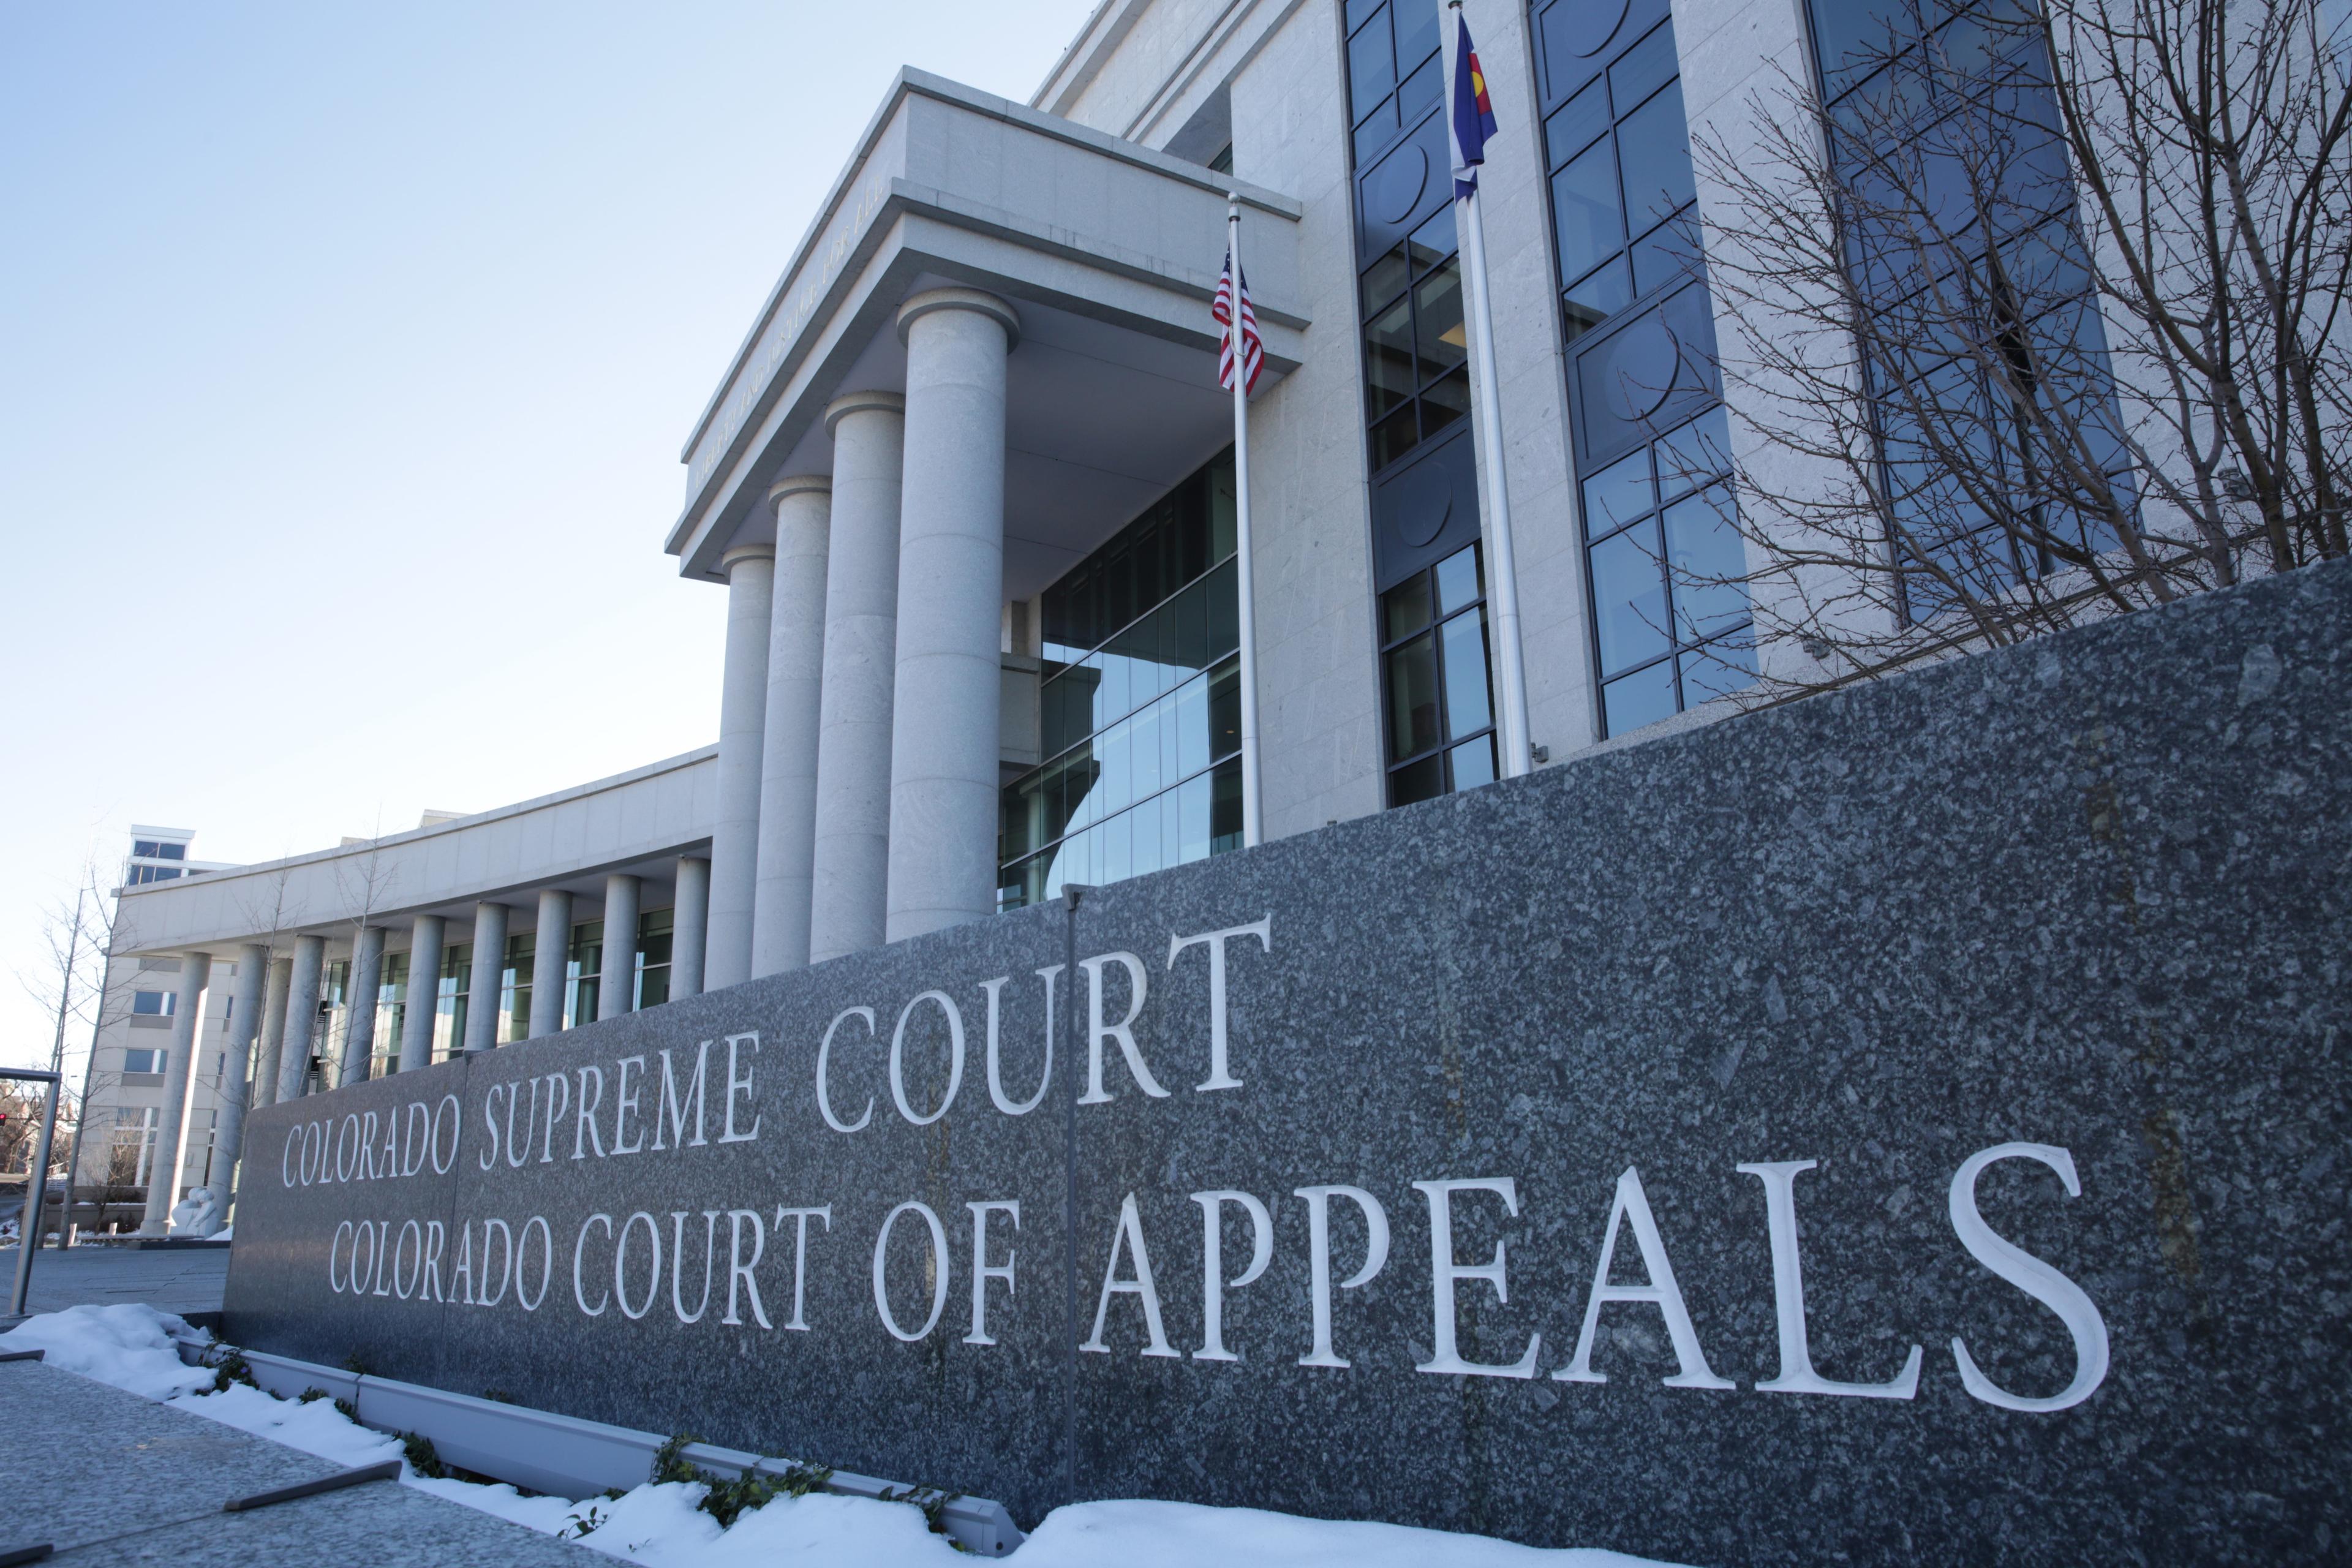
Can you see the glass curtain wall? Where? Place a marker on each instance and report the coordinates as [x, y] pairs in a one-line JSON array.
[[1666, 565], [1417, 375], [1139, 705], [654, 931], [1949, 102], [1441, 717], [1434, 681]]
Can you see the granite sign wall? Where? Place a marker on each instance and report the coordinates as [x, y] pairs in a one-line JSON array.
[[1907, 1125]]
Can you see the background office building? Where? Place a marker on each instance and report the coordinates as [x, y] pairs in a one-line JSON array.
[[968, 495]]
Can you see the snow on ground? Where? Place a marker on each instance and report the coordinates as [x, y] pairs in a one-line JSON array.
[[131, 1347]]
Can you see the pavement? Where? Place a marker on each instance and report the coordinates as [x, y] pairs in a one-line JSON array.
[[105, 1477], [169, 1280]]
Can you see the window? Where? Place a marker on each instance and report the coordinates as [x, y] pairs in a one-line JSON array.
[[449, 1002], [158, 849], [1222, 163], [514, 989], [142, 1061], [391, 1013], [1944, 107], [1433, 661], [1416, 376], [335, 1019], [133, 1144], [154, 1004], [1140, 708], [1393, 68], [654, 930], [140, 876], [1666, 566], [581, 973]]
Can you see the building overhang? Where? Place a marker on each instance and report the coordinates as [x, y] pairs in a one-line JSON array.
[[637, 823], [1110, 252]]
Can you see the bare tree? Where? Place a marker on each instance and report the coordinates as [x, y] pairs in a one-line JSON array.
[[71, 985], [2037, 316]]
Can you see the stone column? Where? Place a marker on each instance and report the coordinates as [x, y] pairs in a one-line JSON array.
[[427, 935], [550, 953], [742, 715], [187, 1021], [944, 748], [273, 1033], [779, 916], [301, 1015], [850, 858], [253, 969], [482, 988], [358, 1003], [616, 983], [690, 926]]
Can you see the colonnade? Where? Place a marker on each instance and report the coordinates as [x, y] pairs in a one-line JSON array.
[[274, 1020], [857, 768], [859, 713]]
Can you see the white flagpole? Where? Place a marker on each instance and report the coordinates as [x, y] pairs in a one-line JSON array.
[[1486, 414], [1252, 818]]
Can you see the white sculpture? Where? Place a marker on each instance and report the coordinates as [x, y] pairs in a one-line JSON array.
[[197, 1214]]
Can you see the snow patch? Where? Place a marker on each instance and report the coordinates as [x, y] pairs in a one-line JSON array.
[[131, 1347]]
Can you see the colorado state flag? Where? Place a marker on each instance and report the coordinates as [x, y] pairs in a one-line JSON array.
[[1474, 115]]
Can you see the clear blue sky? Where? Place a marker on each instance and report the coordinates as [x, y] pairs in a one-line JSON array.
[[345, 355]]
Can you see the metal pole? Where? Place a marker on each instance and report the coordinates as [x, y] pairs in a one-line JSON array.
[[1252, 816], [28, 1228], [1487, 414]]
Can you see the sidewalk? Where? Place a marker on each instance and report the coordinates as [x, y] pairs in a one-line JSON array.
[[104, 1475], [168, 1281]]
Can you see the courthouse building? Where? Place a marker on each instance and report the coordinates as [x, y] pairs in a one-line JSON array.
[[967, 497]]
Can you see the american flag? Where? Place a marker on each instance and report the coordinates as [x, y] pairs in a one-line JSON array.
[[1253, 346]]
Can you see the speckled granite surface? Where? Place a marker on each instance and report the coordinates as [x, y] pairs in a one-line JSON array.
[[2088, 895], [106, 1476]]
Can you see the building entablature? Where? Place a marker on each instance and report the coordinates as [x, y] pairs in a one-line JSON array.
[[1110, 255], [637, 823]]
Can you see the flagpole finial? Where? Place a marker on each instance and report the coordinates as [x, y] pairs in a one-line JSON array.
[[1234, 200]]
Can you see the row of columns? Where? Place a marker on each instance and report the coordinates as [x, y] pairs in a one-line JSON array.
[[857, 775], [276, 1009]]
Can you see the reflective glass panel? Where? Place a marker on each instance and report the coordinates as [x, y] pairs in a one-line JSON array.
[[1464, 640], [1630, 595], [1643, 697], [1411, 684], [1459, 581], [1710, 565], [1585, 212], [1617, 494]]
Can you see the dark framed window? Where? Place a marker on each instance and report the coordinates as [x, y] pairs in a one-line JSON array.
[[154, 1004], [1950, 102], [514, 986], [142, 1061], [1666, 566], [451, 995], [1417, 375], [655, 931], [1439, 712], [1393, 69], [391, 1012], [1139, 705], [584, 974]]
